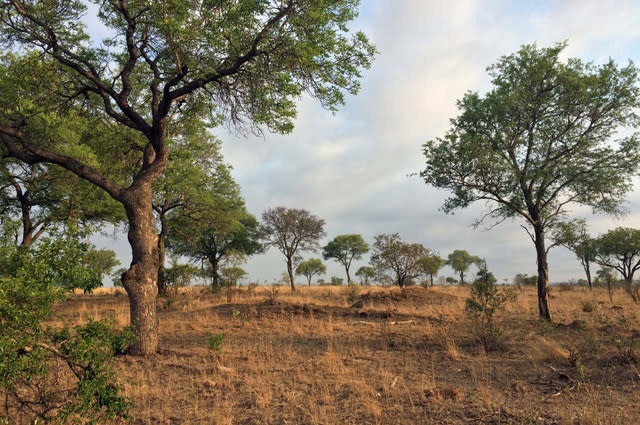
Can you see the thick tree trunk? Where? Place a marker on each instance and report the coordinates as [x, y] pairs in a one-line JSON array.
[[290, 271], [348, 277], [633, 292], [215, 278], [543, 273], [140, 281], [162, 278]]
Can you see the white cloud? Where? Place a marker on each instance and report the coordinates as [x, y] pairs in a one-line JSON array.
[[351, 168]]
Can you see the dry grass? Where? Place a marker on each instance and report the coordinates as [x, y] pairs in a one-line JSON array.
[[395, 357]]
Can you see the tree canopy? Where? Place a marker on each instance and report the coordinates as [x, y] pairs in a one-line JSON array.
[[291, 230], [544, 137], [163, 66], [366, 273], [431, 265], [344, 249], [391, 254], [575, 236], [310, 268], [460, 261], [619, 249]]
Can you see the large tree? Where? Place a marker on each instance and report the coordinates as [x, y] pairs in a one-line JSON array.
[[619, 249], [291, 230], [542, 138], [344, 249], [391, 254], [163, 65]]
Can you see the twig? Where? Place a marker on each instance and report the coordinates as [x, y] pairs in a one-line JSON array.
[[363, 322]]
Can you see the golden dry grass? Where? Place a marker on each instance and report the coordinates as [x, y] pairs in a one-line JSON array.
[[397, 357]]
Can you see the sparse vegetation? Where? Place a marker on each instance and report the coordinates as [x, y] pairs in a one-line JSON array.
[[351, 292], [54, 373], [215, 342], [402, 356], [486, 300]]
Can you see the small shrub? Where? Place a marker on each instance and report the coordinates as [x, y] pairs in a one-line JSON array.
[[627, 349], [485, 301], [351, 292], [215, 342], [576, 359], [272, 297], [588, 307], [337, 281]]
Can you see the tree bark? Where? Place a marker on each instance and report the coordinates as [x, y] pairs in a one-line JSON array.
[[140, 281], [543, 273], [290, 271], [162, 278], [348, 277], [633, 292], [610, 291], [215, 283]]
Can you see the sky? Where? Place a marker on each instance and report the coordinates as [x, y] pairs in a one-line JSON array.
[[356, 168]]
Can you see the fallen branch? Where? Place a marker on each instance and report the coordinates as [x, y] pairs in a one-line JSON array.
[[562, 374], [363, 322]]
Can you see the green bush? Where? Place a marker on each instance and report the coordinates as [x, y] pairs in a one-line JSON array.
[[587, 307], [33, 358], [486, 300], [215, 342]]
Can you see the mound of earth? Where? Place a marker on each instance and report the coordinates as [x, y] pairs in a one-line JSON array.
[[412, 295]]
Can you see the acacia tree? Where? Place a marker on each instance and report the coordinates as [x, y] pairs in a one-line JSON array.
[[366, 273], [215, 236], [310, 268], [460, 261], [540, 140], [390, 253], [344, 249], [619, 249], [291, 230], [574, 236], [431, 265], [165, 64]]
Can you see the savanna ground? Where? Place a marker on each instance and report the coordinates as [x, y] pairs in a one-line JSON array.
[[397, 357]]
